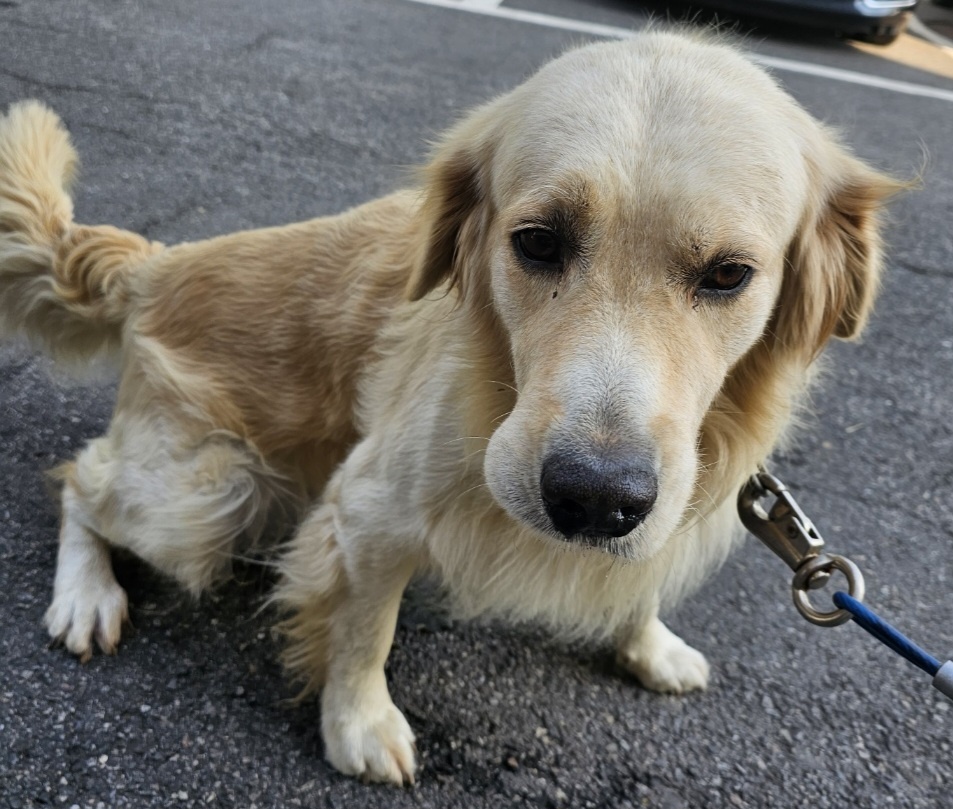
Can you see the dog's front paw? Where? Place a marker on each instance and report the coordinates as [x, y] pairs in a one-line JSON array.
[[662, 661], [372, 742], [87, 611]]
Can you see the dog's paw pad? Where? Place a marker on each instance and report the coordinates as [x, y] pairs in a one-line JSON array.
[[378, 747], [662, 661], [77, 617]]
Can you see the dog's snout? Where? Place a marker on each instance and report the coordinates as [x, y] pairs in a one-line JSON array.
[[593, 496]]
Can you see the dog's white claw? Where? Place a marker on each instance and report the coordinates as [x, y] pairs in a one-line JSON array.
[[373, 745], [79, 615], [662, 661]]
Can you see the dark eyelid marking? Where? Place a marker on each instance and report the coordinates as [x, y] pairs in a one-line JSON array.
[[693, 273], [553, 218], [697, 266], [726, 256]]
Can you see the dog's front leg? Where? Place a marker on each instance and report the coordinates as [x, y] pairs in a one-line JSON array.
[[660, 659], [344, 579], [364, 732]]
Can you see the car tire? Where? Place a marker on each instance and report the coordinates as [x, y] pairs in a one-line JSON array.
[[880, 36]]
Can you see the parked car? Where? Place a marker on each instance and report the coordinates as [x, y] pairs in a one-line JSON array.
[[877, 21]]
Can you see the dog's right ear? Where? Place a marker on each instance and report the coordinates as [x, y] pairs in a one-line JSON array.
[[452, 216]]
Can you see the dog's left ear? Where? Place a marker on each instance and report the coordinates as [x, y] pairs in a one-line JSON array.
[[834, 262], [830, 282], [454, 212]]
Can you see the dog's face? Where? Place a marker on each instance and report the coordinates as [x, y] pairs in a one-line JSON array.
[[644, 220]]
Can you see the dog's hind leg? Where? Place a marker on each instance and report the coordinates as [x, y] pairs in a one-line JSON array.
[[87, 600], [179, 504]]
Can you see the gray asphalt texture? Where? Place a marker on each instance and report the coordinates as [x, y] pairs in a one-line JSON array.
[[194, 119]]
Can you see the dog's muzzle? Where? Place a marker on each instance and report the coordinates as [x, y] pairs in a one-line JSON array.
[[593, 497]]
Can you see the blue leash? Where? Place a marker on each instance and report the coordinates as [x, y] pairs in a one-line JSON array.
[[789, 532], [865, 617]]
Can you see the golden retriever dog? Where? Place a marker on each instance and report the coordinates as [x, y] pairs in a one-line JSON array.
[[540, 377]]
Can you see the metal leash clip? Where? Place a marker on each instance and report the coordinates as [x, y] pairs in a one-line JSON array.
[[788, 531]]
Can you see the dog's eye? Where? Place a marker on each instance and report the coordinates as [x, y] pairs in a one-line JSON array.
[[539, 246], [725, 277]]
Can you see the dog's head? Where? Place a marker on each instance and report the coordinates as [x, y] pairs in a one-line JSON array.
[[665, 241]]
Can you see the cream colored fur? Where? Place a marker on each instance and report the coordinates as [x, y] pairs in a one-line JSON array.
[[400, 368]]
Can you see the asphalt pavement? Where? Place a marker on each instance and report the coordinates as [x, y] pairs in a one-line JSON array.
[[194, 119]]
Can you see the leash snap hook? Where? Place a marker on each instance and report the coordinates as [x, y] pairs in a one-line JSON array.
[[785, 529], [789, 532]]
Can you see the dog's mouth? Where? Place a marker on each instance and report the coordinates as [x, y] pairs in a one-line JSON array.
[[535, 515], [620, 546], [572, 519], [606, 543]]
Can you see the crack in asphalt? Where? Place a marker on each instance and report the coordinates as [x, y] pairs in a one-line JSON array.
[[46, 29], [54, 86], [48, 85], [109, 130]]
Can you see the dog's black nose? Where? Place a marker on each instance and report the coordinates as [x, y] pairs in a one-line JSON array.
[[593, 496]]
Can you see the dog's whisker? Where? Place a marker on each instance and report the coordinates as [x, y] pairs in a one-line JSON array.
[[504, 384], [465, 438], [481, 485], [699, 517]]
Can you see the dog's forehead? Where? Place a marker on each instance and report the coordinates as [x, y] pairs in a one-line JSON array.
[[651, 82], [657, 122]]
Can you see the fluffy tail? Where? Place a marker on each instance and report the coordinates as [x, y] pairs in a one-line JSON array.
[[64, 286]]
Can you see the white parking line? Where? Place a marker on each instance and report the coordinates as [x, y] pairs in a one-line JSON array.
[[534, 17], [490, 8]]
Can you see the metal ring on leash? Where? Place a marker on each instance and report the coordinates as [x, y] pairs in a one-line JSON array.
[[823, 565]]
